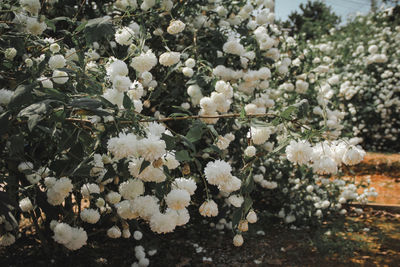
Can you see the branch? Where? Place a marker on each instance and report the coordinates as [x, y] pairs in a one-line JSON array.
[[232, 115]]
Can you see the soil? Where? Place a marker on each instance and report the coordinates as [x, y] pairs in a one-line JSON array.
[[369, 239]]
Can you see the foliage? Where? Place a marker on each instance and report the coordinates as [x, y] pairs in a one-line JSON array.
[[113, 113], [315, 19]]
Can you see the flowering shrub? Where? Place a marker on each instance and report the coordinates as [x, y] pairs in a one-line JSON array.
[[120, 112], [364, 56]]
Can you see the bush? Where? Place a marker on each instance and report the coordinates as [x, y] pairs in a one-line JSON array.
[[147, 108], [364, 57]]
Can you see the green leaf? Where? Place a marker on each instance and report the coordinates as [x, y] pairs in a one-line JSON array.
[[182, 155], [187, 143], [212, 130], [248, 202], [276, 121], [82, 170], [86, 103], [81, 26], [144, 165], [212, 149], [4, 121], [288, 112], [127, 102], [177, 114], [236, 216], [186, 111], [50, 24], [196, 132], [54, 94], [281, 146], [242, 113], [248, 185], [169, 141], [98, 29]]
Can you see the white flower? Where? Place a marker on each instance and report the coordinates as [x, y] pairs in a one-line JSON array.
[[55, 48], [114, 232], [353, 155], [183, 217], [290, 218], [145, 206], [59, 191], [250, 151], [188, 72], [62, 233], [251, 217], [46, 82], [209, 208], [88, 189], [208, 105], [144, 62], [224, 88], [243, 226], [236, 200], [178, 199], [149, 174], [126, 233], [151, 148], [232, 185], [90, 216], [260, 135], [223, 142], [124, 36], [147, 4], [238, 240], [117, 68], [175, 27], [32, 6], [123, 146], [155, 129], [299, 152], [25, 204], [7, 240], [170, 161], [163, 222], [121, 83], [10, 53], [325, 165], [29, 62], [115, 97], [113, 197], [60, 77], [124, 210], [218, 172], [301, 86], [137, 235], [187, 184], [190, 63], [57, 62], [131, 189], [35, 27], [233, 47], [169, 58]]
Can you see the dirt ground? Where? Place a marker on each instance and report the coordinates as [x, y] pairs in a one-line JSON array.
[[370, 239]]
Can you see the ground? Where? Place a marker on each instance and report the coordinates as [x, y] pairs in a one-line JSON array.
[[369, 239]]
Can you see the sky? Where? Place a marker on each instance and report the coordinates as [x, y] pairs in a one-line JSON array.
[[343, 8]]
